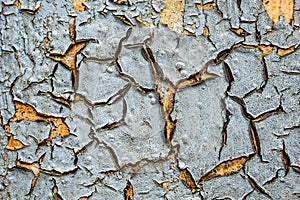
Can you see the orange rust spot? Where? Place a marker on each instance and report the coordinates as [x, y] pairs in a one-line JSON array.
[[165, 185], [265, 49], [18, 4], [188, 180], [79, 6], [89, 20], [28, 113], [274, 8], [284, 52], [14, 144], [206, 31], [227, 167]]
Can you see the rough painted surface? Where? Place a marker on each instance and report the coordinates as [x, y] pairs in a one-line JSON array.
[[161, 99]]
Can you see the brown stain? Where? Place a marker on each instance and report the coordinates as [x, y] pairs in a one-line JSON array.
[[79, 6], [188, 180], [128, 191], [172, 14], [227, 168], [274, 8], [14, 144]]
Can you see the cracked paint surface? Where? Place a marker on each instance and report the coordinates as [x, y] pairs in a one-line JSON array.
[[155, 99]]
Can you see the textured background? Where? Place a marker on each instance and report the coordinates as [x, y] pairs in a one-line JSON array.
[[87, 112]]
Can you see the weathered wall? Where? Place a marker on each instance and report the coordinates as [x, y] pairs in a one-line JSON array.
[[161, 99]]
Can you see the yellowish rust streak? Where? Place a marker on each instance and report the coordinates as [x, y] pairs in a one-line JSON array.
[[275, 8], [188, 180], [227, 168], [284, 52], [172, 14], [78, 5], [148, 24]]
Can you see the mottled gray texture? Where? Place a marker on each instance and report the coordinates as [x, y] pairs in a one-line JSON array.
[[29, 39]]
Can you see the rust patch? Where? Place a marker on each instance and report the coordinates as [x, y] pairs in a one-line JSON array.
[[227, 168], [283, 52], [28, 113], [79, 6], [128, 191], [275, 8], [188, 180], [172, 14], [18, 4], [69, 58], [14, 144], [265, 49]]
